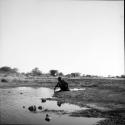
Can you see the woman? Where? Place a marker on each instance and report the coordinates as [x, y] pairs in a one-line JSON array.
[[63, 85]]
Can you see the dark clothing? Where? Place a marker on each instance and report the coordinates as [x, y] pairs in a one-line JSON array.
[[63, 85]]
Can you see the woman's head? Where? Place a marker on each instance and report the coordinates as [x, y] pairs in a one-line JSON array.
[[59, 78]]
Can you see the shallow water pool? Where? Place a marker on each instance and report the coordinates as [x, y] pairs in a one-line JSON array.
[[14, 103]]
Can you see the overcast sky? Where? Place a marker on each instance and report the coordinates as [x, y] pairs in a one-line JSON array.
[[70, 36]]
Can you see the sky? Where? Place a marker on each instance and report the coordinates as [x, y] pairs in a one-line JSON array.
[[70, 36]]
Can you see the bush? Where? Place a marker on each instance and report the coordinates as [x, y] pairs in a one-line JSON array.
[[53, 72], [8, 69], [61, 74], [4, 80], [122, 76], [36, 72], [76, 74]]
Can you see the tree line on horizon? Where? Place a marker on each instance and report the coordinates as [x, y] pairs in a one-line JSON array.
[[37, 72]]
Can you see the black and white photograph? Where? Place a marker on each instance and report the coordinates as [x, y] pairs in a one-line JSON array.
[[62, 62]]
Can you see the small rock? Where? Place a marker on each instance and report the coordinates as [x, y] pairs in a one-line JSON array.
[[40, 107], [32, 108], [48, 118], [43, 100], [23, 106], [46, 110], [21, 93]]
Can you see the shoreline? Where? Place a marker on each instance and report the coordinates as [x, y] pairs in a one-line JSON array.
[[105, 98]]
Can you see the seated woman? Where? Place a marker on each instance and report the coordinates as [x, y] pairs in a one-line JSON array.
[[63, 85]]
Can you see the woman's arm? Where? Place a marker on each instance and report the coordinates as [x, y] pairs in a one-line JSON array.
[[56, 86]]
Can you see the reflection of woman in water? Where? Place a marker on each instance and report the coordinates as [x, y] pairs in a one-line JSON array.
[[63, 85], [59, 103]]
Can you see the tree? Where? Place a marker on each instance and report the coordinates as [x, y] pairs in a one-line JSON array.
[[36, 72], [15, 70], [53, 72], [7, 69], [122, 76], [60, 74], [75, 74], [88, 75]]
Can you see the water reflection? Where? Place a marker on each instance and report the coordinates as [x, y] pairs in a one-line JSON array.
[[36, 92], [14, 108], [77, 89], [59, 103]]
